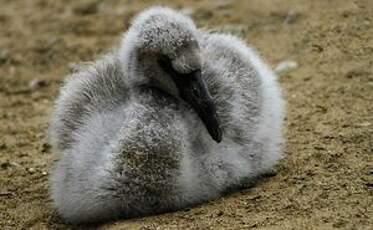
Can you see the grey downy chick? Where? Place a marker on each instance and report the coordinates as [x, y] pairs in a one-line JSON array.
[[172, 118]]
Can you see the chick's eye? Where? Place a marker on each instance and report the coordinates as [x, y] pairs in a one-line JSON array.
[[195, 92], [165, 63]]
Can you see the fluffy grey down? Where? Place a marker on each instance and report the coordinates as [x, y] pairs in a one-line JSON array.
[[129, 145]]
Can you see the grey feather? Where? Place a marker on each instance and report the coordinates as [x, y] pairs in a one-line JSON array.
[[130, 146]]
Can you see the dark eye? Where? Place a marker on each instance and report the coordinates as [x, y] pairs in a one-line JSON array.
[[195, 92], [165, 63]]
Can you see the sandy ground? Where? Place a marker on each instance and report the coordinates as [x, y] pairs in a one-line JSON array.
[[326, 178]]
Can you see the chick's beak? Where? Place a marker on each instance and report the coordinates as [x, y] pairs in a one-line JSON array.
[[193, 90]]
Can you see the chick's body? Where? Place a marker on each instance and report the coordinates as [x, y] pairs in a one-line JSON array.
[[130, 150]]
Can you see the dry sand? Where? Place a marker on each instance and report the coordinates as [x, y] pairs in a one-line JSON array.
[[326, 178]]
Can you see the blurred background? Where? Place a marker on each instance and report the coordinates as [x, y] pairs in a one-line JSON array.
[[322, 50]]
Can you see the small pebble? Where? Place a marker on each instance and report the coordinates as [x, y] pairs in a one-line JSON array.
[[4, 56], [31, 170], [285, 66], [36, 84], [253, 197], [219, 213], [7, 164]]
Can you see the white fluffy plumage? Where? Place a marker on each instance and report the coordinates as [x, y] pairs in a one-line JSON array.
[[130, 146]]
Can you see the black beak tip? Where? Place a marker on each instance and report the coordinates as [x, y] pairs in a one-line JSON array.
[[217, 135]]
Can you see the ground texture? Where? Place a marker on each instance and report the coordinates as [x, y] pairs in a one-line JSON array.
[[324, 182]]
